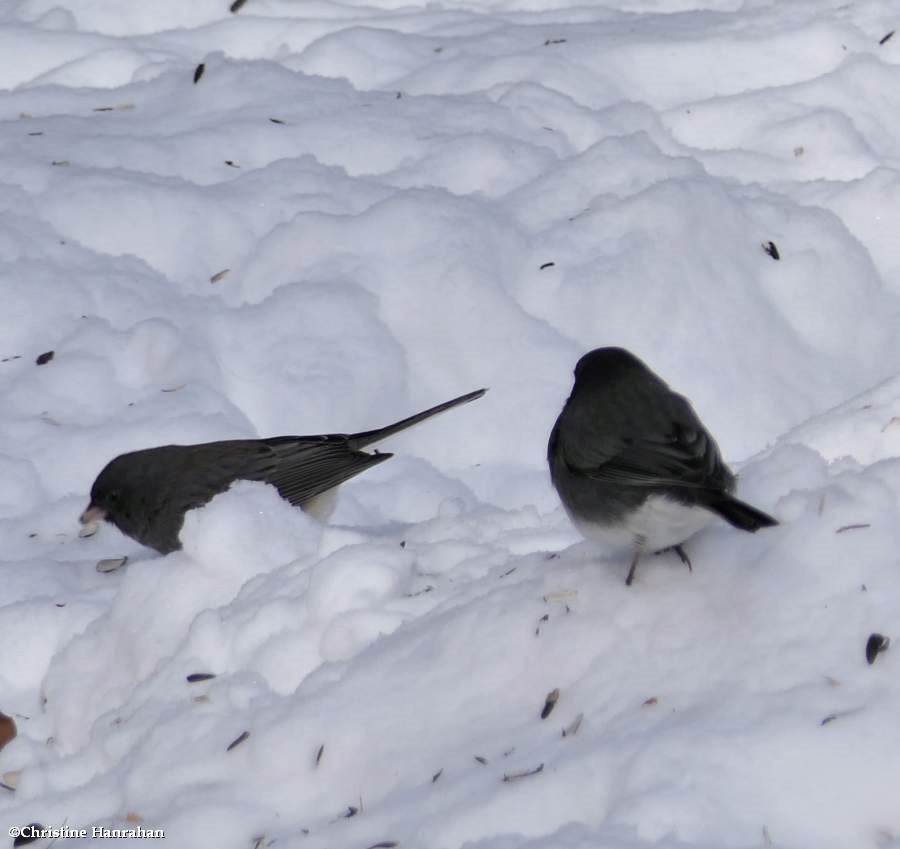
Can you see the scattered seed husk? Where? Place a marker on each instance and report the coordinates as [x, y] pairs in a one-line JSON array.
[[45, 358], [875, 645], [131, 816], [7, 730], [61, 163], [437, 775], [771, 249], [649, 702], [198, 72], [858, 527], [838, 715], [38, 133], [11, 778], [546, 265], [196, 677], [550, 703], [231, 163], [481, 760], [173, 388], [560, 596], [277, 121], [219, 275], [799, 150], [515, 776], [258, 841], [111, 564], [320, 753], [550, 41], [385, 844], [10, 359], [572, 728], [509, 572], [201, 700], [89, 529], [238, 740], [236, 6], [886, 38]]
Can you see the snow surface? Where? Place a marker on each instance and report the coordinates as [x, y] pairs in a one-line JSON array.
[[412, 202]]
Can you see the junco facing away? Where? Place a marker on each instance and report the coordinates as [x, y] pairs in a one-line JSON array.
[[145, 494], [634, 466]]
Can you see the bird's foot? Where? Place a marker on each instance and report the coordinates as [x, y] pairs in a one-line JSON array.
[[680, 552]]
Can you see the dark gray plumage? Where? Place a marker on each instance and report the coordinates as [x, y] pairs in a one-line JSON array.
[[146, 493], [632, 463]]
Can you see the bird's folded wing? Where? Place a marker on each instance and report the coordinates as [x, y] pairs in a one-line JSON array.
[[302, 468], [658, 453]]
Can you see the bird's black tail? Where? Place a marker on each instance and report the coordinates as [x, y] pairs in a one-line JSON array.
[[741, 515], [367, 437]]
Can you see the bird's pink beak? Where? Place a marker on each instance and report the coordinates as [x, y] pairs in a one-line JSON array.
[[90, 520]]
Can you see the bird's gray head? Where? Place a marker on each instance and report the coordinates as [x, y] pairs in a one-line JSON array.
[[606, 363], [113, 495]]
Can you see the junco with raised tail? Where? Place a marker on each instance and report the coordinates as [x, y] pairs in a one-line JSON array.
[[145, 494], [634, 466]]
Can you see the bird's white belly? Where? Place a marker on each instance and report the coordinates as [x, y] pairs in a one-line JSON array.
[[321, 506], [658, 523]]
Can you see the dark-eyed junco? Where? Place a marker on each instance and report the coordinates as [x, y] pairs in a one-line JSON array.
[[634, 466], [145, 494]]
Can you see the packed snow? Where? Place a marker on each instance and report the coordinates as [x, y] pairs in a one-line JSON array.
[[315, 217]]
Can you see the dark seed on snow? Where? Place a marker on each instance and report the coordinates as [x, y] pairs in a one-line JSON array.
[[550, 703], [237, 741], [876, 644]]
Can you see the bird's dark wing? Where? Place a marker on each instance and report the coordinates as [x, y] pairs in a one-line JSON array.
[[301, 468], [663, 445]]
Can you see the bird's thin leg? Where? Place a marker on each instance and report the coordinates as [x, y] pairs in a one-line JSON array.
[[631, 571]]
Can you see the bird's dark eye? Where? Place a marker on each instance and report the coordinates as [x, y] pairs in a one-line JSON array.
[[114, 496]]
